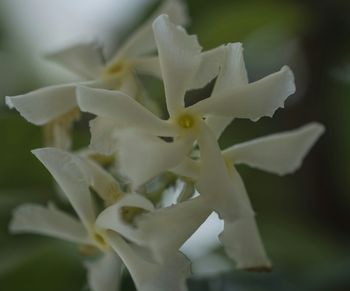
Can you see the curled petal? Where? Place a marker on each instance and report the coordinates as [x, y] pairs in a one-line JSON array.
[[84, 59], [252, 101], [232, 74], [149, 275], [210, 63], [105, 185], [179, 56], [43, 105], [31, 218], [65, 170], [142, 157], [243, 244], [123, 109], [216, 183], [112, 217], [280, 153], [104, 274], [165, 230]]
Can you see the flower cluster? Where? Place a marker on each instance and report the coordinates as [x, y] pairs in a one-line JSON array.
[[132, 151]]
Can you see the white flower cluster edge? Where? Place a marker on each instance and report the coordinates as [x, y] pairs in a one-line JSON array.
[[131, 229]]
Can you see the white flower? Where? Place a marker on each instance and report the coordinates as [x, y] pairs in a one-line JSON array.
[[75, 175], [56, 107], [183, 67], [223, 188]]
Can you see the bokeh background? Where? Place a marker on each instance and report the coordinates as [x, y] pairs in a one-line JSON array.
[[304, 218]]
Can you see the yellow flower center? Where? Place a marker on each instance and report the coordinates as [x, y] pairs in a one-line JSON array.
[[99, 239], [116, 69], [186, 121]]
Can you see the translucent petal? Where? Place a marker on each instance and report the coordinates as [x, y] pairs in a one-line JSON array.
[[216, 183], [148, 65], [142, 157], [142, 40], [103, 140], [45, 104], [280, 153], [165, 230], [112, 217], [179, 56], [252, 101], [243, 244], [123, 109], [63, 167], [149, 275], [84, 59], [104, 274], [31, 218]]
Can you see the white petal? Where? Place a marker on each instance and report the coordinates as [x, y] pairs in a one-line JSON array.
[[187, 168], [243, 244], [149, 275], [84, 59], [63, 167], [111, 218], [218, 124], [142, 157], [104, 274], [105, 185], [210, 64], [45, 104], [31, 218], [142, 40], [103, 140], [280, 153], [165, 230], [149, 65], [253, 101], [123, 109], [179, 56], [216, 183], [232, 74]]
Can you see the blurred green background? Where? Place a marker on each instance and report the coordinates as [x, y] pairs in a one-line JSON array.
[[304, 218]]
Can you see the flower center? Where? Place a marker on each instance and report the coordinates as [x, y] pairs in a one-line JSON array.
[[115, 68], [99, 239], [186, 121]]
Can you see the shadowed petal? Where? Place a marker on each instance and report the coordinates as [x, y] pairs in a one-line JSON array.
[[149, 275], [31, 218], [63, 167], [104, 274], [84, 59]]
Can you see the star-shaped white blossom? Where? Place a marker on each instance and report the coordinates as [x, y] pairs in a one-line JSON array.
[[182, 65], [56, 106], [75, 175]]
